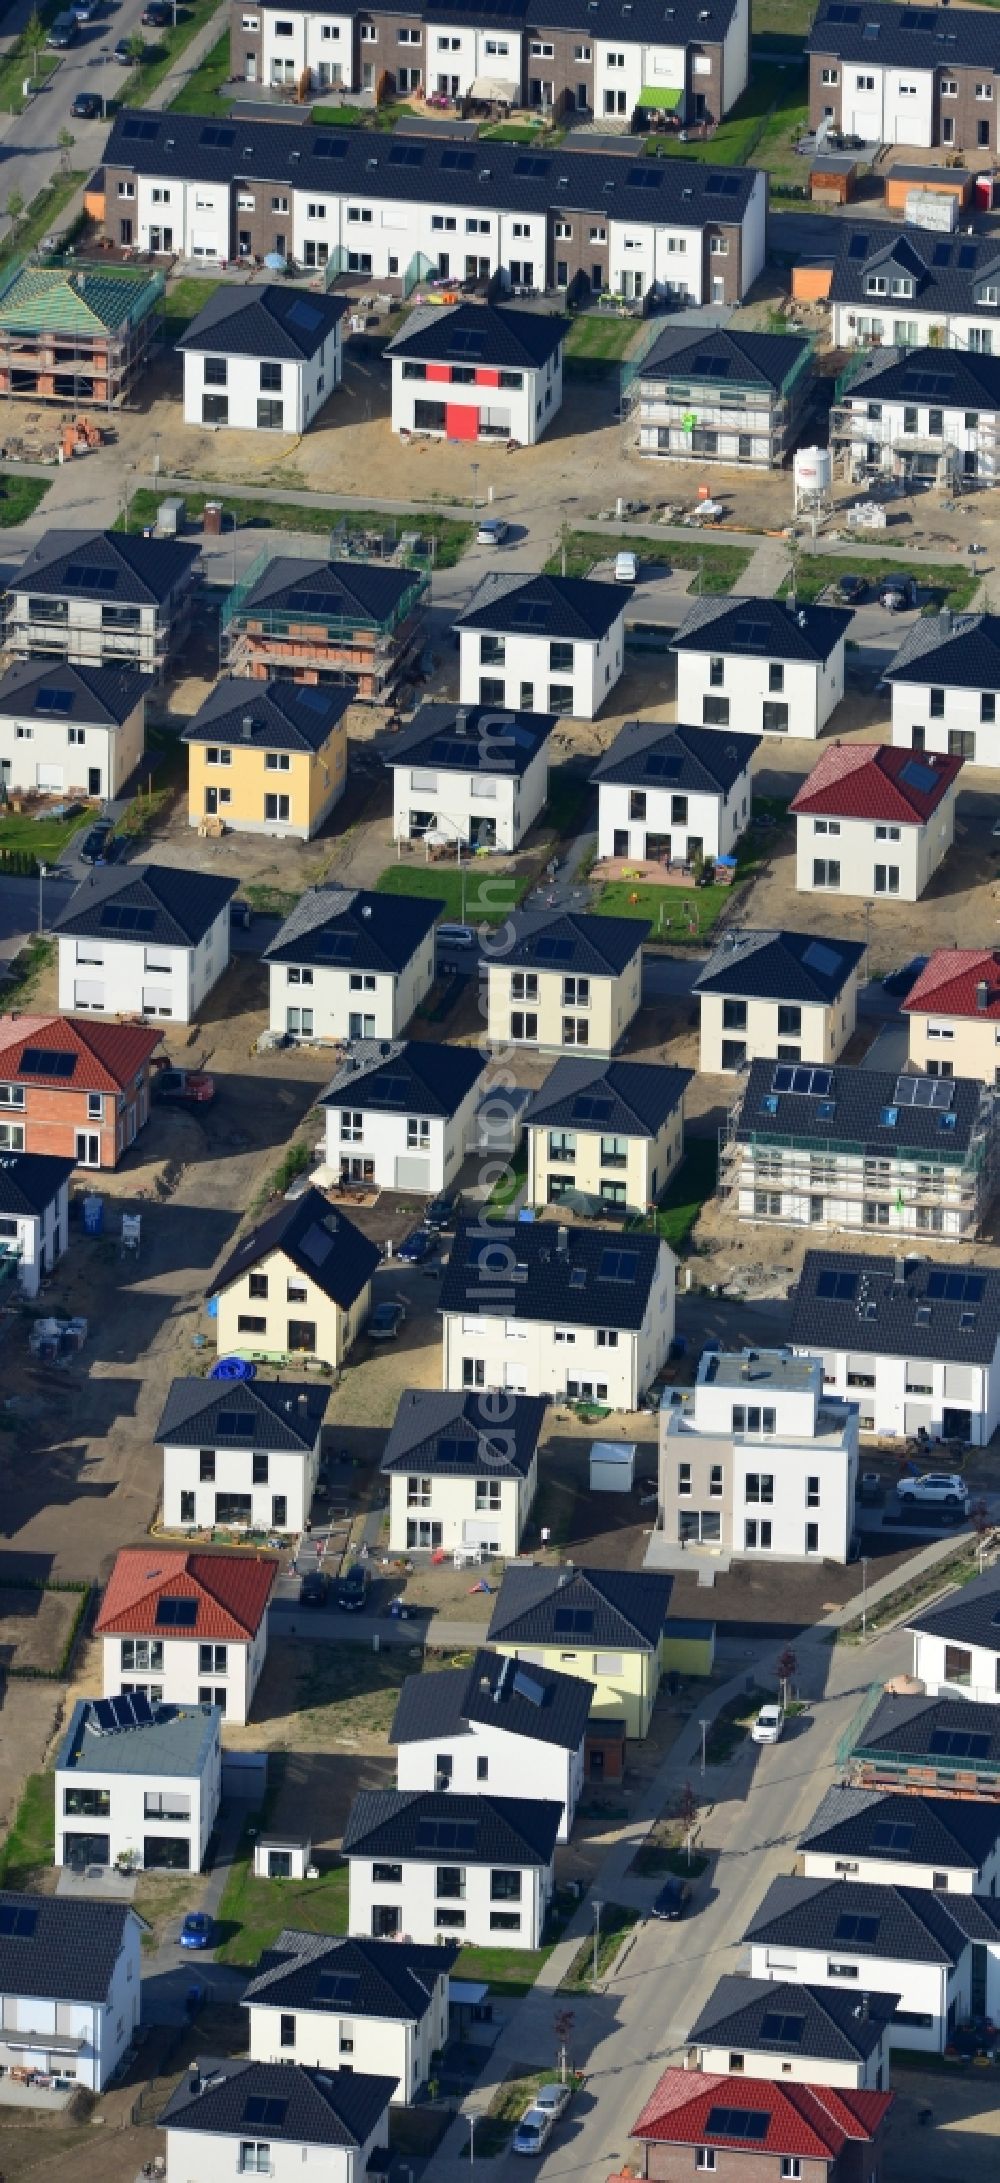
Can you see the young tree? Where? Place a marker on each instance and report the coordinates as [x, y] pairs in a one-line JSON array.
[[785, 1665], [136, 48], [14, 209], [687, 1813], [34, 38], [562, 2025], [65, 141]]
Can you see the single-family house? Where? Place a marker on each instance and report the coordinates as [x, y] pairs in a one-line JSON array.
[[298, 1285], [34, 1216], [767, 2027], [192, 1626], [462, 1470], [325, 2002], [565, 980], [144, 940], [928, 1744], [890, 77], [553, 644], [268, 757], [347, 964], [874, 820], [720, 395], [762, 666], [262, 359], [956, 1642], [777, 996], [138, 1784], [495, 1728], [69, 1986], [474, 372], [950, 1844], [912, 287], [240, 1454], [608, 1132], [953, 1007], [267, 2118], [469, 775], [400, 1113], [915, 1344], [323, 621], [669, 794], [426, 1862], [944, 681], [749, 2127], [925, 415], [101, 599], [78, 731], [79, 1090], [603, 1624], [575, 1313]]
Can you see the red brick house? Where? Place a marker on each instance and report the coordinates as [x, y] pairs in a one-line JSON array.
[[80, 1090], [746, 2130]]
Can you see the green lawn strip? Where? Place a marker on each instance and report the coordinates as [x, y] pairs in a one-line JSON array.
[[202, 92], [165, 49], [25, 59], [616, 1923], [184, 299], [760, 127], [953, 587], [258, 1909], [26, 970], [476, 895], [43, 839], [675, 913], [692, 1186], [510, 1971], [19, 497], [504, 1192], [269, 901], [340, 117], [600, 336], [719, 565], [41, 215], [905, 1598], [450, 538], [31, 1842], [732, 1724], [659, 1857]]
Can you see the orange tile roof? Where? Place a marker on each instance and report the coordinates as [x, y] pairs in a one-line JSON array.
[[949, 984], [232, 1591], [814, 2122], [109, 1055]]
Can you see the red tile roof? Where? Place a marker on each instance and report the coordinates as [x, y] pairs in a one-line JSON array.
[[876, 781], [109, 1055], [232, 1591], [947, 985], [814, 2122]]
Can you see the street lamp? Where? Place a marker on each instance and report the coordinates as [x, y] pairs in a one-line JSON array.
[[475, 487], [704, 1726], [472, 2141], [597, 1935], [43, 873], [864, 1594]]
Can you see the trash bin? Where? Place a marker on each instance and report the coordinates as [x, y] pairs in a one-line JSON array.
[[211, 520]]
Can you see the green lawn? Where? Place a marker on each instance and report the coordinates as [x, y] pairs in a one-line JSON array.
[[511, 1971], [475, 895], [252, 1912], [941, 585], [25, 973], [681, 1203], [19, 497], [505, 1191], [41, 215], [184, 299], [675, 913], [32, 1838], [340, 117], [616, 1922], [599, 336], [163, 50], [450, 538], [270, 901], [21, 63], [44, 839], [201, 93], [760, 130], [719, 565]]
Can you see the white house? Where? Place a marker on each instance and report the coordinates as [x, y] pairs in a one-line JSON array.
[[191, 1626], [767, 2028], [780, 995], [756, 1459], [34, 1216], [561, 980], [928, 415], [267, 2118], [469, 775], [462, 1470], [101, 599], [347, 964], [551, 644], [242, 1452], [424, 1863], [400, 1113], [69, 1986], [578, 1314], [763, 666], [137, 1782], [497, 1728], [472, 372], [956, 1643], [916, 1345], [262, 359], [671, 794], [914, 288], [326, 2002], [950, 1844], [890, 77], [144, 940], [874, 820], [944, 681], [81, 730]]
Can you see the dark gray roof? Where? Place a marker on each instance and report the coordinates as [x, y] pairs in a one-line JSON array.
[[270, 715], [716, 356], [816, 2021], [947, 1734], [280, 1416], [390, 1979], [657, 754], [909, 37], [105, 565], [912, 1830], [452, 1433], [29, 1181], [264, 321], [472, 333], [948, 271], [370, 594], [568, 941], [175, 1742], [546, 606], [471, 739], [62, 1947], [616, 19], [601, 1278], [962, 377], [53, 689], [762, 629], [405, 1076], [905, 1924], [780, 966], [166, 904], [495, 1691], [318, 1239], [611, 1098], [495, 1830], [620, 1608], [285, 2103], [855, 1107], [348, 928], [896, 1307], [955, 651], [971, 1617]]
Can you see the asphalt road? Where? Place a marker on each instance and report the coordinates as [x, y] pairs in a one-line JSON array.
[[29, 146]]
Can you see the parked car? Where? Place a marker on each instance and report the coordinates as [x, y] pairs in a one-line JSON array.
[[158, 15], [626, 568], [314, 1588], [351, 1591], [197, 1930], [673, 1899], [943, 1486], [84, 11], [87, 106], [190, 1087], [492, 531], [897, 593], [440, 1214], [768, 1725], [532, 2131], [553, 2099], [62, 32], [417, 1247], [385, 1322], [456, 936], [94, 842], [851, 590], [123, 51], [900, 981]]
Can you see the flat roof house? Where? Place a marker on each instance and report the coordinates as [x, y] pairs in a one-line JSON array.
[[241, 1453], [348, 964], [956, 1643], [914, 288], [265, 2118], [605, 1133], [137, 1783], [566, 980], [461, 1477], [322, 621], [296, 1285], [584, 1315], [769, 2027], [473, 372], [780, 996], [760, 665], [77, 1089], [552, 644], [267, 758], [888, 75], [401, 1113], [144, 940], [944, 681], [944, 1843], [470, 775], [318, 1998], [719, 396], [495, 1728], [193, 1626], [874, 820], [954, 1011], [760, 2128], [603, 1624], [34, 1216], [263, 359], [950, 1745], [69, 1985], [101, 599], [671, 794], [498, 1878], [927, 415], [81, 730], [915, 1344]]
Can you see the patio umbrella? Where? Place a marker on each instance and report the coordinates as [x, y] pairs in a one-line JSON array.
[[274, 262]]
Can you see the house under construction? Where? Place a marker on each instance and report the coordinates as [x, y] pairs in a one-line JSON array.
[[76, 334], [325, 621], [918, 415], [717, 396]]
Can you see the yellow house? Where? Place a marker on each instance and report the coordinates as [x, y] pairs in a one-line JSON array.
[[612, 1131], [566, 982], [954, 1012], [777, 996], [603, 1624], [268, 757], [688, 1648], [297, 1286]]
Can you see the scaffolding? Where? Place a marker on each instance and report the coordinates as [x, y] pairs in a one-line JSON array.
[[76, 334], [313, 644], [900, 451], [741, 423]]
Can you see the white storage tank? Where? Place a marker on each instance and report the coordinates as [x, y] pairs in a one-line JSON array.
[[931, 208], [812, 471]]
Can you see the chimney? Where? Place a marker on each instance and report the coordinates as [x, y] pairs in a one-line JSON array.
[[944, 621], [899, 1273], [562, 1241], [982, 996], [248, 727], [194, 2081], [461, 722]]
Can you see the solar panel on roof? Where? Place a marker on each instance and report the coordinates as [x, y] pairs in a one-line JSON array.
[[921, 778], [662, 766], [311, 699], [550, 949], [573, 1621], [527, 1686], [334, 947], [308, 602], [138, 130], [81, 578], [452, 1454], [925, 1091], [406, 155], [966, 256], [122, 1710], [141, 1709], [329, 147], [468, 341], [456, 160], [941, 254], [258, 2110], [842, 1286], [707, 366], [826, 961], [304, 314], [785, 2031], [858, 246], [956, 1288], [958, 1743], [216, 137], [806, 1083], [388, 1091], [753, 635], [49, 700], [617, 1265], [102, 1717], [177, 1614], [588, 1108], [337, 1986], [123, 917], [527, 165], [528, 614], [722, 185], [316, 1245], [648, 177], [737, 2122], [46, 1061], [17, 1921], [893, 1834], [859, 1929], [235, 1425]]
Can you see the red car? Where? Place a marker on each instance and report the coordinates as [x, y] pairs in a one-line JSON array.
[[192, 1086]]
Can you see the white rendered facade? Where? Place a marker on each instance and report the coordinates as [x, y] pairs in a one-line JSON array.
[[317, 1001], [888, 105], [202, 2156], [612, 1365], [756, 1460], [375, 2046], [280, 394], [517, 404], [899, 320], [438, 1509], [40, 2032], [439, 799], [757, 695], [134, 1815], [963, 721], [132, 978], [872, 856], [53, 755], [477, 1917], [735, 1030], [278, 1502], [712, 824], [38, 1239], [957, 1668], [926, 1990], [870, 2073], [399, 1151], [539, 674], [945, 1879], [900, 1396], [183, 1671], [489, 1761], [963, 442]]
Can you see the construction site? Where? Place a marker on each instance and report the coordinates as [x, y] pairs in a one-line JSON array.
[[76, 334], [325, 621]]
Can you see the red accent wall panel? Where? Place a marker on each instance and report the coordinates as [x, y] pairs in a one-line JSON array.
[[487, 378], [440, 373], [462, 421]]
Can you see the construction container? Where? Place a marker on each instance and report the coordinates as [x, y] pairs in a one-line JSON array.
[[953, 182], [926, 208], [170, 518]]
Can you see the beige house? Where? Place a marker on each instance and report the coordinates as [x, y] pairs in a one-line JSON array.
[[874, 820], [567, 981], [954, 1012], [297, 1286], [611, 1132], [779, 996]]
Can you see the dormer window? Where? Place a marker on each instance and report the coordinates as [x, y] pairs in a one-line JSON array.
[[902, 285], [989, 294], [876, 285]]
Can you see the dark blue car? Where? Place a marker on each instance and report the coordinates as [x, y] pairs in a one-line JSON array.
[[197, 1930], [418, 1246]]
